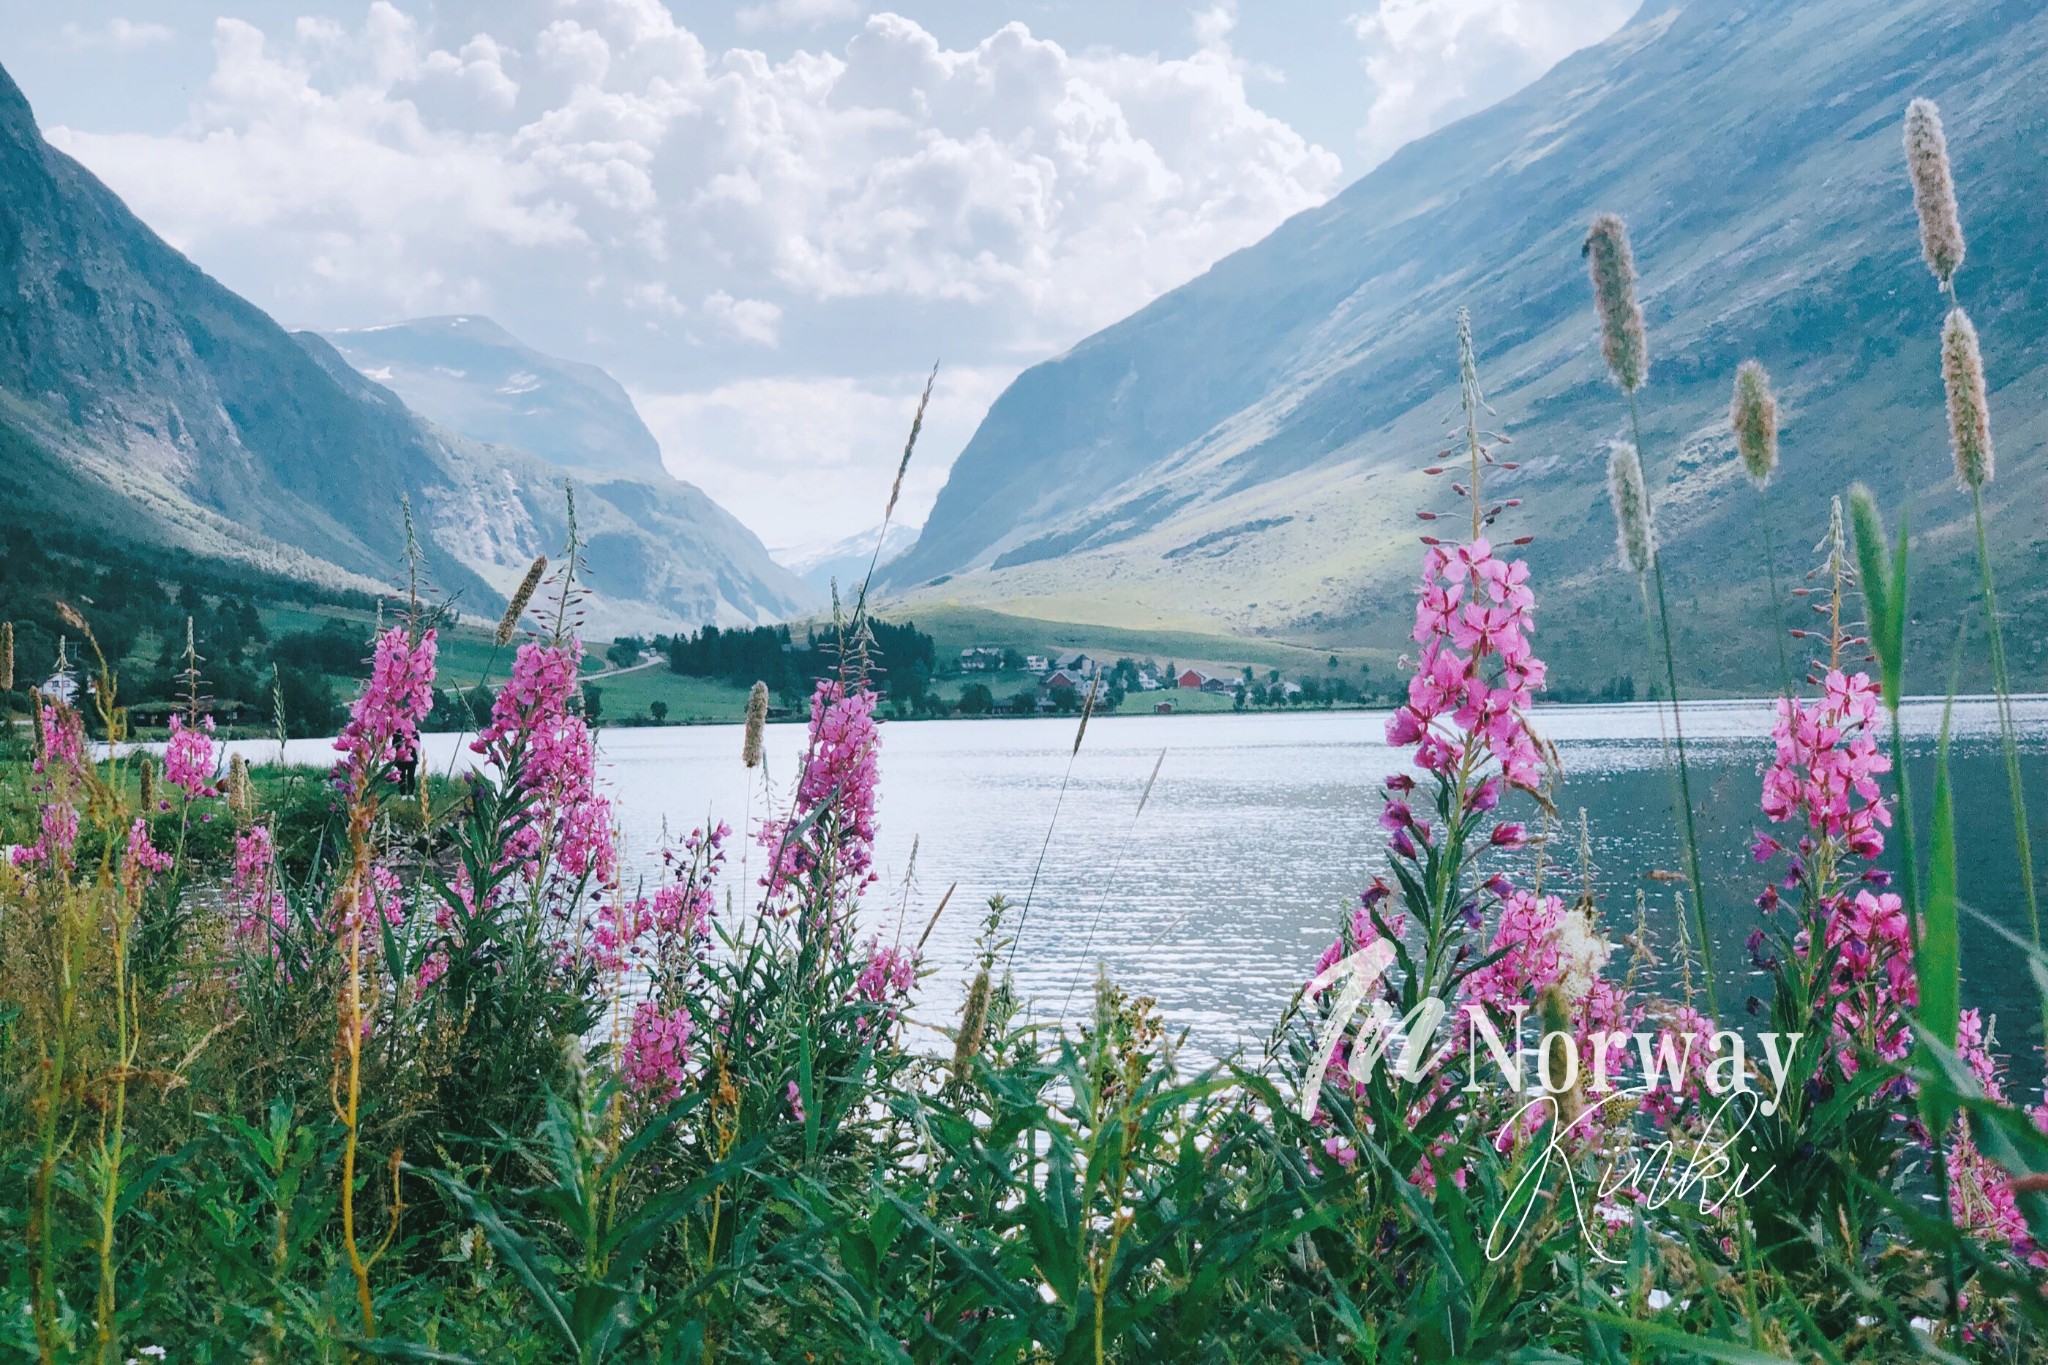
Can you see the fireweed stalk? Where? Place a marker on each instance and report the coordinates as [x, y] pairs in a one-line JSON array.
[[382, 734], [57, 906], [1611, 263], [1466, 718]]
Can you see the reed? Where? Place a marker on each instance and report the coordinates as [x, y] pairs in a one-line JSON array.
[[1625, 347], [1753, 416]]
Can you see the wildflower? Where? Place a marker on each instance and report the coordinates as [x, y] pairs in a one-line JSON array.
[[796, 1103], [1754, 416], [535, 737], [1934, 190], [63, 740], [515, 607], [1969, 411], [657, 1051], [383, 726], [58, 826], [839, 769], [145, 859], [1613, 268], [1477, 672], [1635, 537], [1825, 768], [1508, 835], [189, 759], [757, 721]]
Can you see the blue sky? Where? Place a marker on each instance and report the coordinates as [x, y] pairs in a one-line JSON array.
[[766, 218]]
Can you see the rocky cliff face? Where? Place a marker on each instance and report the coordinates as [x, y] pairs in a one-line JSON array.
[[1244, 453], [140, 397]]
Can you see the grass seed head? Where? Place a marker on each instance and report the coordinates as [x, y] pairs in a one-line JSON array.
[[1634, 535], [514, 609], [1612, 265], [757, 721], [1754, 415], [1969, 411], [1934, 191]]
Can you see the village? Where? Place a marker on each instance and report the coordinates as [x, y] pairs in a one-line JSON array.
[[1005, 679]]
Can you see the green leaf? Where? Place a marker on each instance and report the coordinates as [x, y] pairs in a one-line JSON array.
[[1882, 576], [1706, 1348], [1940, 962]]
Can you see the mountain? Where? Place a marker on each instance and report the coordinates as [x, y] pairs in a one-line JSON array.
[[470, 374], [845, 562], [1244, 454], [141, 400]]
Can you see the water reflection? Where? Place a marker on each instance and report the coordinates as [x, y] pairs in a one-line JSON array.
[[1260, 834]]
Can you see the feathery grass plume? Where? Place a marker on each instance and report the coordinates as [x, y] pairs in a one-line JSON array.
[[1613, 268], [757, 721], [1969, 411], [916, 426], [508, 624], [241, 792], [1934, 191], [6, 656], [1754, 415], [145, 782], [973, 1025], [1087, 710], [1633, 534], [69, 615]]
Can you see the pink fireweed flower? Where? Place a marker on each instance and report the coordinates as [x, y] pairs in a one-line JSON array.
[[384, 722], [1477, 674], [534, 733], [252, 891], [63, 739], [145, 859], [189, 758], [59, 836], [840, 767], [657, 1051], [1531, 958], [1872, 984], [887, 977], [1826, 765]]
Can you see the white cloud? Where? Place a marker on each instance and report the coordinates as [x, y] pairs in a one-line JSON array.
[[1430, 62], [752, 320], [124, 35], [831, 443], [595, 176], [796, 14]]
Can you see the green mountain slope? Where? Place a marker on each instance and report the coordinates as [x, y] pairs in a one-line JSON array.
[[1244, 454]]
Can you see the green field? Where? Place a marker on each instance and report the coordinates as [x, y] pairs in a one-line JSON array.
[[690, 700]]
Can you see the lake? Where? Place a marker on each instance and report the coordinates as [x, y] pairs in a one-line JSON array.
[[1260, 833]]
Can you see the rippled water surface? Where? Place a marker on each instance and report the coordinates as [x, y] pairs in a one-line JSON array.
[[1260, 833]]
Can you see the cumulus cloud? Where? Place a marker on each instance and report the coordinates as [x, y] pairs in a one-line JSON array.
[[796, 14], [123, 35], [598, 178], [1430, 62], [833, 443]]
